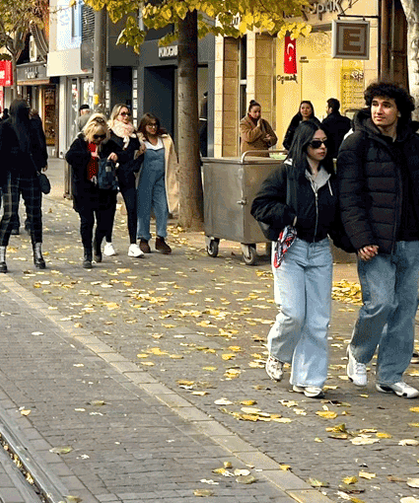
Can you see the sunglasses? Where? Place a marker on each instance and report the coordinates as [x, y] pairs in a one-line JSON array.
[[125, 114], [99, 136], [318, 143], [152, 125]]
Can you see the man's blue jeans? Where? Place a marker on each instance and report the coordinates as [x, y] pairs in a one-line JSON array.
[[303, 285], [389, 286]]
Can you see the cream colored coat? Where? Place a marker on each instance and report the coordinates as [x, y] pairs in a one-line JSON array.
[[171, 167]]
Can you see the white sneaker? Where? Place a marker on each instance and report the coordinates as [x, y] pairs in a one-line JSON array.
[[109, 250], [309, 391], [135, 251], [357, 372], [274, 368], [399, 388]]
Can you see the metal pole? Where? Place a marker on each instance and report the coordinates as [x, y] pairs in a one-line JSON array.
[[99, 61]]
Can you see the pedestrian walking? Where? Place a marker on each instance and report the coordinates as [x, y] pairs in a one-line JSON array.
[[305, 113], [90, 200], [84, 115], [158, 188], [256, 133], [302, 194], [23, 157], [336, 125], [378, 170], [124, 136]]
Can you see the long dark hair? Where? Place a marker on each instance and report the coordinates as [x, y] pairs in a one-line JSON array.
[[146, 119], [298, 150], [19, 117]]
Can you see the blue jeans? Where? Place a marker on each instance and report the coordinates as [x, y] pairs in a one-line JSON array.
[[390, 291], [302, 286], [151, 194]]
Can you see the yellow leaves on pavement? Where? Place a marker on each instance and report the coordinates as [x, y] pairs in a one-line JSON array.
[[63, 449], [409, 499], [366, 475], [364, 440], [409, 442], [326, 413], [203, 492], [246, 479], [347, 292], [413, 483], [383, 435], [317, 483], [228, 356], [350, 480]]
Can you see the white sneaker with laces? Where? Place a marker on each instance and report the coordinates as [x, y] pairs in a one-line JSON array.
[[399, 388], [109, 250], [274, 368], [357, 372], [135, 251], [309, 391]]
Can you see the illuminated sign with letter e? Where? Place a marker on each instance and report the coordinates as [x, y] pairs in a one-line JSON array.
[[351, 39]]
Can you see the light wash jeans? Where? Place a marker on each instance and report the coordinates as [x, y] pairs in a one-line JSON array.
[[389, 286], [151, 194], [303, 285]]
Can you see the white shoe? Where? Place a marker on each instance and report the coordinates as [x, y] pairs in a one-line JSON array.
[[357, 372], [399, 388], [135, 251], [109, 250], [274, 368], [309, 391]]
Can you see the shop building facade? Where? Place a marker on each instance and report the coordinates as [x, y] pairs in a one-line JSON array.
[[253, 68]]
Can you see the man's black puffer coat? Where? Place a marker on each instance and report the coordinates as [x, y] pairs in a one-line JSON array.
[[370, 182]]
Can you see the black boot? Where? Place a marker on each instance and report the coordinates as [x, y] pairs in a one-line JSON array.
[[3, 265], [87, 259], [97, 251], [38, 259]]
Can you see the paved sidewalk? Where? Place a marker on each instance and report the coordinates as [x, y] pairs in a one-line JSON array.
[[196, 327]]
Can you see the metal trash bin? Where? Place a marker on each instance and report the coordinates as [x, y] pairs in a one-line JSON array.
[[230, 185]]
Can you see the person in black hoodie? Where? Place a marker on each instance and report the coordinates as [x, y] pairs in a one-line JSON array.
[[302, 193], [378, 170], [23, 156], [336, 125]]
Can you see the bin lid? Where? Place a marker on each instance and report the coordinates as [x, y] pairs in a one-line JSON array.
[[237, 160]]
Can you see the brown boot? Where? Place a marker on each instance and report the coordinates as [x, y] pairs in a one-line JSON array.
[[162, 246], [144, 246]]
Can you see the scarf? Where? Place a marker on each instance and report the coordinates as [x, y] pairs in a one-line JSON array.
[[124, 131]]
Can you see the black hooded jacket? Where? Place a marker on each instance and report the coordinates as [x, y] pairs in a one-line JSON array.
[[371, 169], [317, 215]]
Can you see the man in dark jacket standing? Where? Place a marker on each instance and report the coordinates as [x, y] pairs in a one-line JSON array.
[[378, 170], [336, 125]]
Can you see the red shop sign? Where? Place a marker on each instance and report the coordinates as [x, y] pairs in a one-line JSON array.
[[6, 74]]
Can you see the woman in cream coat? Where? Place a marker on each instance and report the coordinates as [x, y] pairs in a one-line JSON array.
[[158, 188]]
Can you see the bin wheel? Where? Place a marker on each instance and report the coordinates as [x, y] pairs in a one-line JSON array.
[[212, 248], [249, 254]]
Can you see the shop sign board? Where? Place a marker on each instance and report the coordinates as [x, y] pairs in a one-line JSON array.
[[350, 39]]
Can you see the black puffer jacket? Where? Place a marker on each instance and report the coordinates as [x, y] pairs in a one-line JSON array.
[[316, 217], [370, 182]]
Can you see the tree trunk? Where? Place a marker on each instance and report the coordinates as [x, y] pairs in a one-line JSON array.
[[411, 10], [191, 199]]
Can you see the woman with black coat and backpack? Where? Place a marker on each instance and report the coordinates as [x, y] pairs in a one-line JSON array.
[[87, 156], [302, 194], [23, 156]]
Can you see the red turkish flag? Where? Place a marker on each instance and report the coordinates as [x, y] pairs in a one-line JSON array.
[[6, 73], [290, 55]]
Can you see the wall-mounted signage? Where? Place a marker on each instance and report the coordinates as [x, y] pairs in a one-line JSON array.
[[350, 39], [169, 51]]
